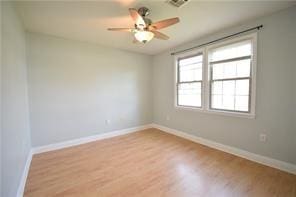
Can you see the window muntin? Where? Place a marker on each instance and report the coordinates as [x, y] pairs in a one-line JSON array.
[[189, 81], [230, 77]]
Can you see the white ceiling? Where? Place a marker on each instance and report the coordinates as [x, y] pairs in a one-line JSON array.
[[88, 20]]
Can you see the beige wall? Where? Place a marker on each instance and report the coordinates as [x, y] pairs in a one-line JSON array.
[[275, 114]]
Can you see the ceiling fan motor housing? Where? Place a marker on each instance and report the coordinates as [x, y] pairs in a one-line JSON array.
[[147, 21], [143, 11]]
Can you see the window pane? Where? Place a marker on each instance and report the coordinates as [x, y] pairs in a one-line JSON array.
[[217, 101], [225, 102], [190, 60], [229, 88], [189, 94], [231, 51], [228, 102], [192, 72], [190, 69], [218, 71], [241, 103], [240, 68], [242, 87], [229, 70], [243, 68], [217, 87]]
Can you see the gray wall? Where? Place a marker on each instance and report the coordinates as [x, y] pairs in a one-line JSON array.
[[75, 87], [275, 94], [16, 143], [0, 100]]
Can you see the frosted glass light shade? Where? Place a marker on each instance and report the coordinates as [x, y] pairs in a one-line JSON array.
[[144, 36]]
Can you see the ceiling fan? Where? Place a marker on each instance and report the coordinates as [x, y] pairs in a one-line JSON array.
[[144, 29]]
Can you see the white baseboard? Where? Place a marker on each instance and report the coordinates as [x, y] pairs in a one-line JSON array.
[[75, 142], [284, 166], [23, 180]]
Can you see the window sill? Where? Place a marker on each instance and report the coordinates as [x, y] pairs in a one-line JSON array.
[[233, 114], [217, 112], [178, 107]]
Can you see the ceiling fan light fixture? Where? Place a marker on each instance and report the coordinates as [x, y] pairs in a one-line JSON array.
[[144, 29], [144, 36]]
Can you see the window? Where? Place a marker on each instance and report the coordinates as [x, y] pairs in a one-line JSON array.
[[225, 83], [189, 82], [230, 77]]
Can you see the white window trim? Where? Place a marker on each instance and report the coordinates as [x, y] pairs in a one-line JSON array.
[[176, 58], [206, 78]]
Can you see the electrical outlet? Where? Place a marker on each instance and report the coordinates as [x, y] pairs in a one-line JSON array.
[[262, 137], [168, 117], [107, 122]]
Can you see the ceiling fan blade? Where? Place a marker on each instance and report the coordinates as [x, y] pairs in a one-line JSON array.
[[135, 41], [164, 23], [121, 29], [160, 35], [137, 17]]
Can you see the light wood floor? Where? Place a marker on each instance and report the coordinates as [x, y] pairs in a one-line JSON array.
[[152, 163]]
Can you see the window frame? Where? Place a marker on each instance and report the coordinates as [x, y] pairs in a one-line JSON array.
[[177, 82], [211, 80], [206, 78]]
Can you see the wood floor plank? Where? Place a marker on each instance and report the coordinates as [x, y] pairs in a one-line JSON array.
[[152, 163]]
